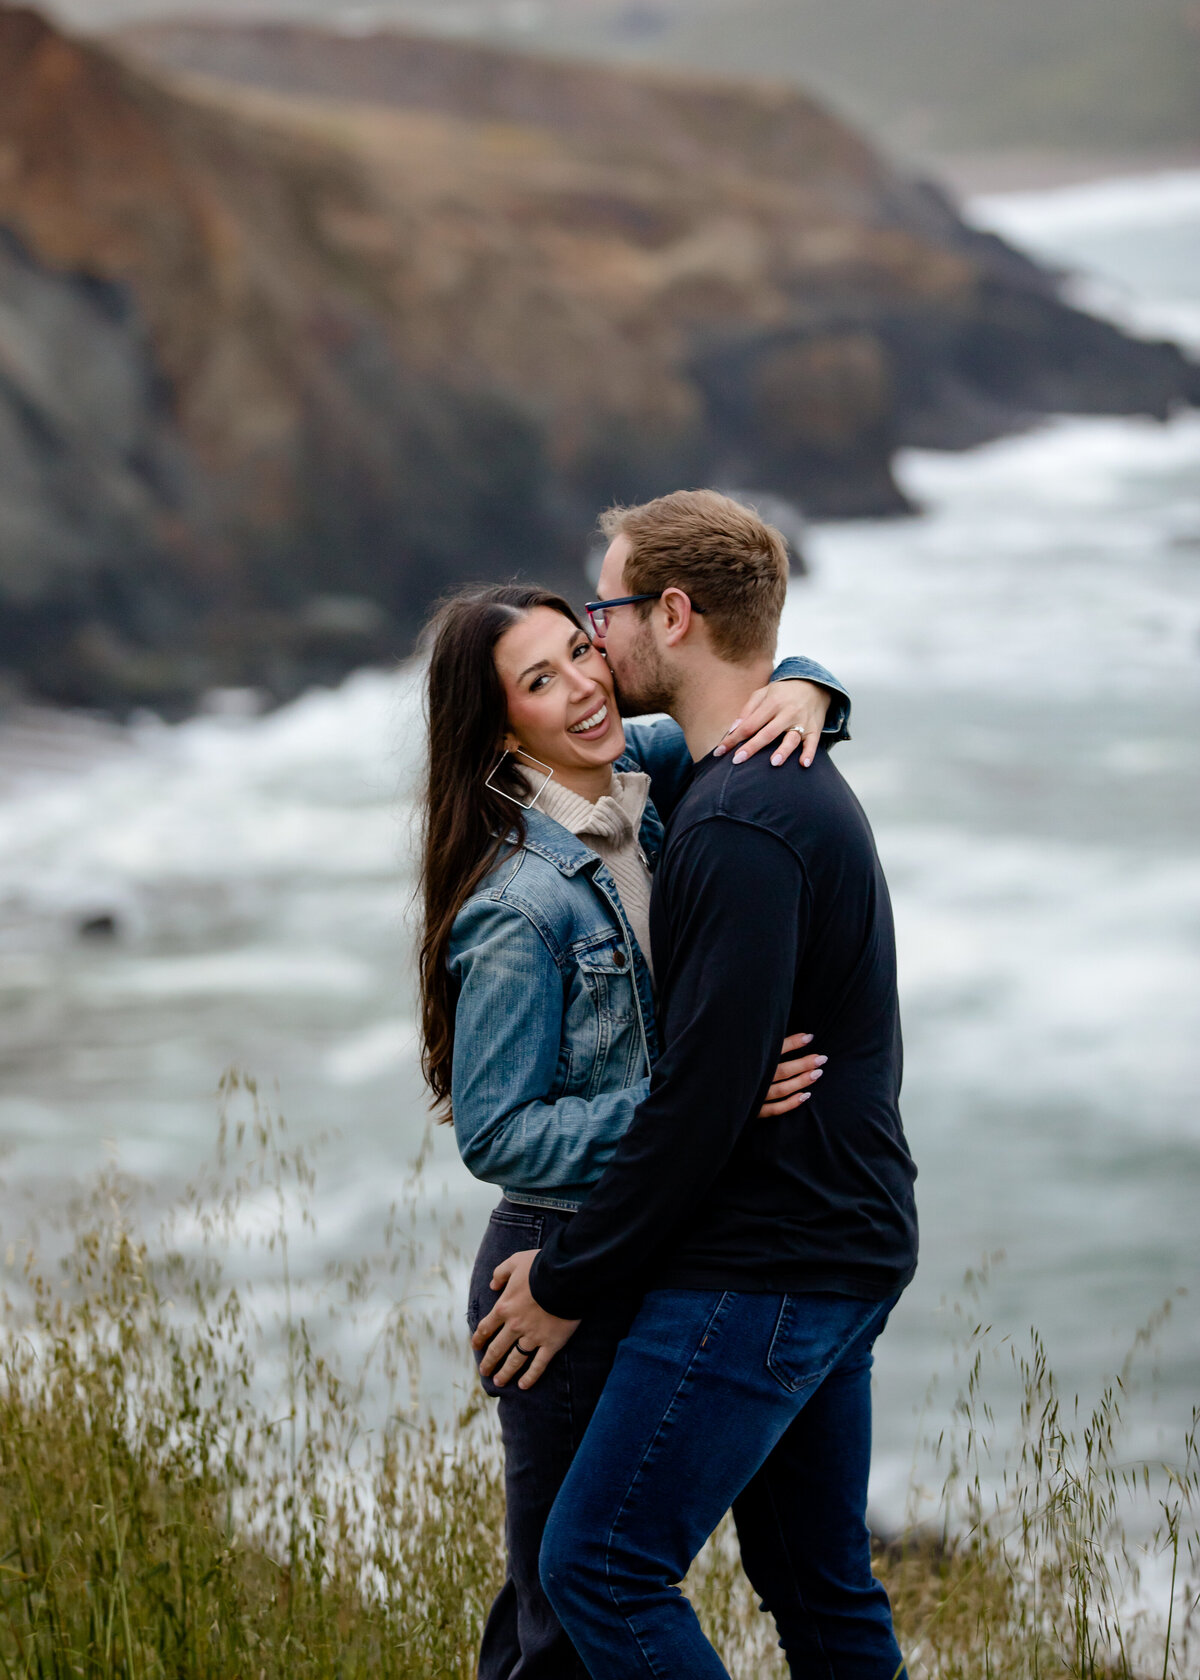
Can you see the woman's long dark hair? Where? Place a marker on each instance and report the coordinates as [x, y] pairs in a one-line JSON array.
[[466, 827]]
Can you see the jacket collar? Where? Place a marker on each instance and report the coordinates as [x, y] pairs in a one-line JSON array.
[[549, 839]]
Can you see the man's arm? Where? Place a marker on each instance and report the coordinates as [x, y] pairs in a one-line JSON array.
[[738, 909]]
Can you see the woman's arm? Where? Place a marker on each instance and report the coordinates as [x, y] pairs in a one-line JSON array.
[[660, 749], [507, 1047]]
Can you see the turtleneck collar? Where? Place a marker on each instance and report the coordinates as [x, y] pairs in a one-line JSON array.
[[614, 817]]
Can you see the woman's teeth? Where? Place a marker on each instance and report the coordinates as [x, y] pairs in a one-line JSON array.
[[592, 722]]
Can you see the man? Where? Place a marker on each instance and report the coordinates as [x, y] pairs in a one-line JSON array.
[[773, 1252]]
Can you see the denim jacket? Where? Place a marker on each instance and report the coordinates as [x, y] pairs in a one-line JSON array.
[[554, 1030]]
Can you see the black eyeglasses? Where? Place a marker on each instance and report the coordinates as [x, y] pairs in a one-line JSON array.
[[598, 611]]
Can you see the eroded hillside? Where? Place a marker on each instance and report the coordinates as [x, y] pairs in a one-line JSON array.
[[280, 363]]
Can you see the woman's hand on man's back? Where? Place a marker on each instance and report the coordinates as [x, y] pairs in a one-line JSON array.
[[791, 1079]]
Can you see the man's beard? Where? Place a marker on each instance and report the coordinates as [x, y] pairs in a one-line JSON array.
[[648, 685]]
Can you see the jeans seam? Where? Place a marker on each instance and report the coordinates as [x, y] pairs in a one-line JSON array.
[[579, 1671], [647, 1657], [785, 1313]]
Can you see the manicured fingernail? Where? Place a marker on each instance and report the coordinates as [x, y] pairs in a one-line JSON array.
[[806, 1038], [776, 759], [821, 1060], [739, 757], [731, 729], [806, 1096], [816, 1073], [717, 751]]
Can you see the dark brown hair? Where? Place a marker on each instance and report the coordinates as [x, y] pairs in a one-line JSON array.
[[715, 550], [466, 827]]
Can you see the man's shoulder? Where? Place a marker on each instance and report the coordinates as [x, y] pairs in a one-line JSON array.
[[801, 808], [726, 799], [771, 794]]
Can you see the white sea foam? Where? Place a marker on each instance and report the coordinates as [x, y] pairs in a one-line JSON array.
[[1131, 246], [1163, 199], [373, 1053], [257, 972], [1065, 558]]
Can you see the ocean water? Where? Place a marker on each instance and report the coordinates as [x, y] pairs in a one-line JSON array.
[[1025, 659]]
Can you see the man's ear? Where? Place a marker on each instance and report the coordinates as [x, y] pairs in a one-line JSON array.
[[678, 616]]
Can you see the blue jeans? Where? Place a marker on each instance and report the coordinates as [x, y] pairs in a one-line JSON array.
[[762, 1402]]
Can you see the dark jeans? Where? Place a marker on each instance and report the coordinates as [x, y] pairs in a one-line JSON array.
[[541, 1428], [762, 1402]]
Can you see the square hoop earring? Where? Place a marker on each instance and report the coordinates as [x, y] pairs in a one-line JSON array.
[[508, 753]]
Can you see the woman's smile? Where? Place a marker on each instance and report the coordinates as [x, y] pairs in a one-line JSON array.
[[594, 725]]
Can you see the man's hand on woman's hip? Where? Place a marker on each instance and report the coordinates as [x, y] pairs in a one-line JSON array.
[[521, 1338]]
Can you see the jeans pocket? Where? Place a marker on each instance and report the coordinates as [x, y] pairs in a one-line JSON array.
[[508, 1232], [531, 1224], [812, 1332]]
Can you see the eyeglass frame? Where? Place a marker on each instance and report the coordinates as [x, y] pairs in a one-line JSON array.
[[591, 608]]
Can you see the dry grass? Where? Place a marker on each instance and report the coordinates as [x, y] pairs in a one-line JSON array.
[[160, 1516]]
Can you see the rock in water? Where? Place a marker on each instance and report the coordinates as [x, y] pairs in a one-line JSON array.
[[281, 363]]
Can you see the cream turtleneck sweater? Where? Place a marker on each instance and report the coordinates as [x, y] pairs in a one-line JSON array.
[[609, 827]]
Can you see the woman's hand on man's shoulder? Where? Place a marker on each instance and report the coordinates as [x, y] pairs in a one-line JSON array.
[[790, 707]]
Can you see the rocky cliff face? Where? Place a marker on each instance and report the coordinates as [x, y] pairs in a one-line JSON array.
[[280, 363]]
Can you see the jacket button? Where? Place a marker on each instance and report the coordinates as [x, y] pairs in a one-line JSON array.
[[619, 958]]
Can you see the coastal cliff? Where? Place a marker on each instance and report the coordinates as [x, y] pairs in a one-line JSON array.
[[298, 330]]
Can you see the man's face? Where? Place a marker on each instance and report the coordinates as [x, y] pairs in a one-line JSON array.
[[644, 682]]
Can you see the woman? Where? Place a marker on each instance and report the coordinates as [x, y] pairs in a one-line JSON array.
[[542, 822]]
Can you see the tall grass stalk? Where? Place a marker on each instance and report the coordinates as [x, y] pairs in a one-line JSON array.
[[160, 1516]]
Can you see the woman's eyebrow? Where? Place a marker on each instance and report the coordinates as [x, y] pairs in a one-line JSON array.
[[548, 664]]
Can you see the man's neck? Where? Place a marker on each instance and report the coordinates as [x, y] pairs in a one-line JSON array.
[[712, 697]]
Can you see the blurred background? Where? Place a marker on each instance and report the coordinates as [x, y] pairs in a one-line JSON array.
[[309, 311]]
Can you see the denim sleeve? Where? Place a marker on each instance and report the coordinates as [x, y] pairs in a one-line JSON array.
[[837, 718], [507, 1050], [660, 749]]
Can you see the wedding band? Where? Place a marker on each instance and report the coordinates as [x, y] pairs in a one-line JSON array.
[[794, 729], [527, 1353]]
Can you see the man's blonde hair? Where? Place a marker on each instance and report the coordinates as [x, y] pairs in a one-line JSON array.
[[723, 556]]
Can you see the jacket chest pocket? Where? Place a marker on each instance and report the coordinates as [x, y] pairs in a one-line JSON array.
[[601, 1023], [606, 975]]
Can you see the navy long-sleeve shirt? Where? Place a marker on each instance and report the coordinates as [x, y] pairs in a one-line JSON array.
[[769, 915]]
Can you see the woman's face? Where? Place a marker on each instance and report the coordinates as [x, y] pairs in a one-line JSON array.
[[559, 692]]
